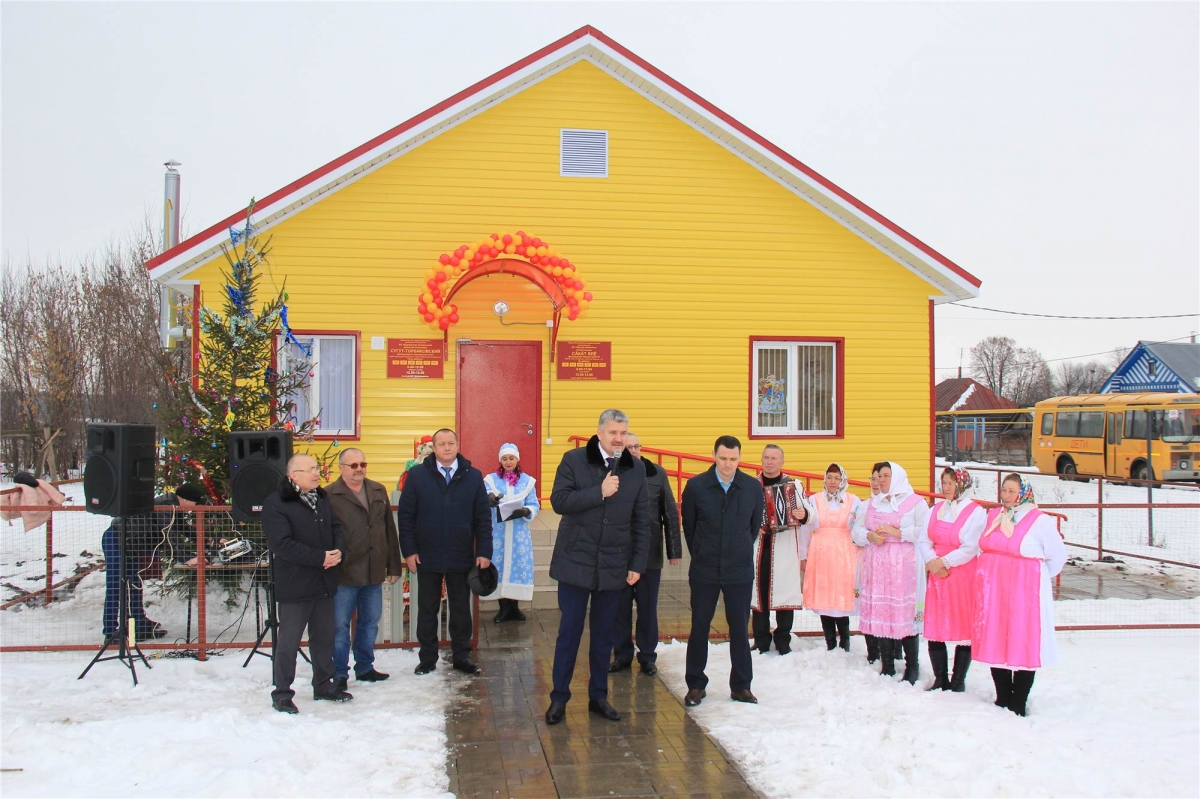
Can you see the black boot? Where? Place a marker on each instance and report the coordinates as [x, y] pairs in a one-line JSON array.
[[1003, 679], [937, 656], [829, 626], [912, 658], [1022, 681], [887, 654], [514, 610], [962, 662], [843, 629], [872, 647], [503, 614]]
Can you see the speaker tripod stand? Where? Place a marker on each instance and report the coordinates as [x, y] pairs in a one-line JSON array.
[[271, 623], [125, 637]]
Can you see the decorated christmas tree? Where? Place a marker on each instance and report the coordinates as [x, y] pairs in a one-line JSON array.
[[234, 383]]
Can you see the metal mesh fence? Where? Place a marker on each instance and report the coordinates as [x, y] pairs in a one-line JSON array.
[[54, 581]]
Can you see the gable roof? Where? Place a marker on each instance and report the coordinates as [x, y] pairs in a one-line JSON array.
[[1178, 369], [965, 394], [587, 44]]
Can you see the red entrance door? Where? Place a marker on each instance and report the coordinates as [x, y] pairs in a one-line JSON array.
[[499, 400]]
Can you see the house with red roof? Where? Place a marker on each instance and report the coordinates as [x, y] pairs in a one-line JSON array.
[[581, 231]]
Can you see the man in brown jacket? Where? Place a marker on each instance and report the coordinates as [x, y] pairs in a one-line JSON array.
[[372, 556]]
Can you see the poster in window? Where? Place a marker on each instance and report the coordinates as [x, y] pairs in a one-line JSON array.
[[415, 357], [772, 395], [584, 360]]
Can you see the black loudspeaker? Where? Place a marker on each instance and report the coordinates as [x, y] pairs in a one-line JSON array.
[[257, 462], [118, 478]]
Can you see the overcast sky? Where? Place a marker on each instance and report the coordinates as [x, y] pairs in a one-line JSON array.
[[1053, 150]]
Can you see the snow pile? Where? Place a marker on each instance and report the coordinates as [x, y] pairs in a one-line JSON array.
[[966, 395], [1112, 718], [208, 729]]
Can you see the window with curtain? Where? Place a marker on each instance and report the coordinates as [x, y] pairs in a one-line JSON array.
[[794, 388], [331, 361]]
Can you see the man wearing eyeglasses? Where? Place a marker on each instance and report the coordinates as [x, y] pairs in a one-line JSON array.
[[372, 557], [306, 539]]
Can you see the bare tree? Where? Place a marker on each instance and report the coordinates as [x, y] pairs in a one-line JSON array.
[[1079, 378], [78, 343], [1016, 373]]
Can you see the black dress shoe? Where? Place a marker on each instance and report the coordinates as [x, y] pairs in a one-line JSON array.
[[744, 695], [339, 683], [601, 707], [467, 667], [555, 713], [333, 696], [424, 668], [370, 676], [617, 665], [784, 649], [648, 668], [693, 696], [285, 706]]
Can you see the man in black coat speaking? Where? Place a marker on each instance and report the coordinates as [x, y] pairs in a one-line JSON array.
[[722, 513], [306, 539], [602, 544], [445, 529]]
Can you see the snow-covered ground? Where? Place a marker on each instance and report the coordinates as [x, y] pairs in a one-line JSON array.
[[208, 729], [1115, 717]]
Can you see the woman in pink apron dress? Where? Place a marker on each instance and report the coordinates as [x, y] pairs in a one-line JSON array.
[[1021, 552], [892, 594], [832, 564], [948, 546]]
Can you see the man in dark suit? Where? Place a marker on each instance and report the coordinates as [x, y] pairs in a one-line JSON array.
[[664, 529], [306, 539], [722, 513], [603, 537], [445, 529]]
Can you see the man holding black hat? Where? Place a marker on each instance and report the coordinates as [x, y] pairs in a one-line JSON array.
[[445, 529], [147, 535]]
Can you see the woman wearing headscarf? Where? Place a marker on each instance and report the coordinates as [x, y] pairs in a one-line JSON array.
[[1021, 551], [893, 584], [832, 564], [513, 494], [948, 546]]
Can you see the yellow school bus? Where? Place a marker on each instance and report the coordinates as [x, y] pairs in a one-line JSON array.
[[1139, 436]]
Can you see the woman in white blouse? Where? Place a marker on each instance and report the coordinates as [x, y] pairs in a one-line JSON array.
[[948, 546], [893, 584], [1021, 552]]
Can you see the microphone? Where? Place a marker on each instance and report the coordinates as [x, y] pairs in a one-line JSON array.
[[616, 460]]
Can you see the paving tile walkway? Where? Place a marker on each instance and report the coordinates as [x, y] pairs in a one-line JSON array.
[[501, 746]]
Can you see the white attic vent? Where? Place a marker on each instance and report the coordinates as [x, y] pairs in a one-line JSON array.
[[583, 153]]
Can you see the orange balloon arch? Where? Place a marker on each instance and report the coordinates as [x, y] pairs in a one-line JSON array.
[[516, 253]]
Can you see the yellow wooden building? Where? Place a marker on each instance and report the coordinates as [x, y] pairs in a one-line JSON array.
[[732, 289]]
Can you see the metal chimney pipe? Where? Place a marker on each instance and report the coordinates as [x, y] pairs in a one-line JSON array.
[[171, 205], [167, 330]]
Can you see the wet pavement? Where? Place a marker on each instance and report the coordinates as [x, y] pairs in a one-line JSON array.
[[501, 746]]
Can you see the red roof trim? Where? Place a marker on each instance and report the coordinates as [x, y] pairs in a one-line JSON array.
[[583, 32]]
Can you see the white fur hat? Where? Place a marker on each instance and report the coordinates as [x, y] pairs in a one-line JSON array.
[[510, 449]]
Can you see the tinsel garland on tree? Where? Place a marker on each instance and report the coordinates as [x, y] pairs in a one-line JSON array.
[[234, 384]]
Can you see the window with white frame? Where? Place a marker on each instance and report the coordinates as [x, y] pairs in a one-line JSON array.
[[331, 362], [794, 388]]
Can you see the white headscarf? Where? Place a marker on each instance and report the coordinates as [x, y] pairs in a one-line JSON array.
[[899, 491]]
